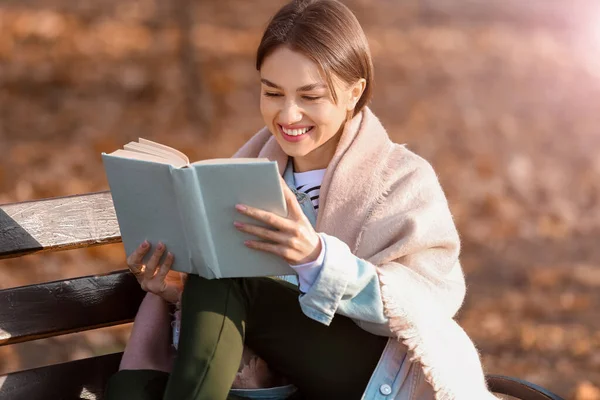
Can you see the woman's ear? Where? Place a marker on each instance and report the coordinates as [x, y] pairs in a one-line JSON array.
[[355, 93]]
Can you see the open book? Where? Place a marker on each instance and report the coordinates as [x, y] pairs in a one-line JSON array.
[[159, 195]]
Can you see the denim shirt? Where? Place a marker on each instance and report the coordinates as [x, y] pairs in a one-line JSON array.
[[349, 286]]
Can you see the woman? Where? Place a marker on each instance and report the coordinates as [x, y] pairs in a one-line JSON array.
[[369, 234]]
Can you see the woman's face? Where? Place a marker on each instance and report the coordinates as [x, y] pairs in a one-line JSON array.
[[299, 110]]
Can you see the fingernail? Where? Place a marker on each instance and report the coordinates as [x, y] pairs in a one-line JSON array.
[[241, 207], [144, 245], [160, 246], [238, 224]]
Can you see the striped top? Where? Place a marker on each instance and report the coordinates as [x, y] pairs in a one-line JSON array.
[[309, 182]]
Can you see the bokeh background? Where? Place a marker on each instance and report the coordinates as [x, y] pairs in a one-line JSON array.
[[502, 96]]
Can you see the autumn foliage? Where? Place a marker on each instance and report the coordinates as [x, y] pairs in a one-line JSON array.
[[502, 97]]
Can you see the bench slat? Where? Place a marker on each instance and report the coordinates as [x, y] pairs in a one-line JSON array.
[[57, 224], [87, 379], [82, 379], [55, 308]]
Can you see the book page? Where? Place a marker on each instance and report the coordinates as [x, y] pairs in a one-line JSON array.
[[153, 152], [228, 161], [136, 155], [142, 148], [165, 148]]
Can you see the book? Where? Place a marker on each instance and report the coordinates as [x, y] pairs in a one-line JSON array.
[[159, 195]]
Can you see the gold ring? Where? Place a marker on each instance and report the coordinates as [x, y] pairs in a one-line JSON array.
[[138, 271]]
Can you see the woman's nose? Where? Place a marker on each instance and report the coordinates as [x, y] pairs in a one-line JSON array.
[[290, 114]]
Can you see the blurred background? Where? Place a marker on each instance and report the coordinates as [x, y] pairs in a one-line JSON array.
[[502, 96]]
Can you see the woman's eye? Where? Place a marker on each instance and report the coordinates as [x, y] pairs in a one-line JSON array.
[[272, 94], [311, 98]]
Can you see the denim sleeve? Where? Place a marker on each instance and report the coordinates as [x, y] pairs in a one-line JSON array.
[[347, 285]]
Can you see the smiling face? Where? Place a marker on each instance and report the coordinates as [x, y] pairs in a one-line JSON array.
[[299, 109]]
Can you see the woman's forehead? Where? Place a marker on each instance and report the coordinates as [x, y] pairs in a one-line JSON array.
[[289, 69]]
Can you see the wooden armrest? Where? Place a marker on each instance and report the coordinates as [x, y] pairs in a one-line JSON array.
[[519, 388]]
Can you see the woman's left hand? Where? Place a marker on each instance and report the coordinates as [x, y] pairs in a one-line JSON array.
[[292, 238]]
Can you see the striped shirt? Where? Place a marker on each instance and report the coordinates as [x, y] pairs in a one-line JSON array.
[[309, 182]]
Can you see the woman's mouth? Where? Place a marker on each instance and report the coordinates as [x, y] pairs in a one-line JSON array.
[[295, 134]]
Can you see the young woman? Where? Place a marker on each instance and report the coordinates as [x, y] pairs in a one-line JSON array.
[[369, 234]]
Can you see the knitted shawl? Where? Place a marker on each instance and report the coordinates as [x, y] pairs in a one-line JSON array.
[[387, 205]]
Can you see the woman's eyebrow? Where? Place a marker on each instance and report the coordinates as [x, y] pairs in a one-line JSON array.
[[270, 84], [305, 88], [312, 86]]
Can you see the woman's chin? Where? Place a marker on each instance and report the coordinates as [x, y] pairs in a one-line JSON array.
[[295, 153], [294, 149]]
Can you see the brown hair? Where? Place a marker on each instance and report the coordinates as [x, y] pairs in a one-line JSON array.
[[328, 33]]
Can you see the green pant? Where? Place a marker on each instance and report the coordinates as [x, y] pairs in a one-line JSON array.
[[219, 316]]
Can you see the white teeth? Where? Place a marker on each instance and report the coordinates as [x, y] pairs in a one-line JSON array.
[[295, 132]]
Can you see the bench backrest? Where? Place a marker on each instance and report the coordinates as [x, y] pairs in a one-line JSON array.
[[73, 305]]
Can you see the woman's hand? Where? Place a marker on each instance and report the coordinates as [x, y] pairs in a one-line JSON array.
[[292, 238], [160, 281]]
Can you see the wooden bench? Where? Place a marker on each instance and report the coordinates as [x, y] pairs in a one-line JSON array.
[[56, 308]]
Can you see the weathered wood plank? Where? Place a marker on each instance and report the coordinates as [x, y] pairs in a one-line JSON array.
[[82, 379], [55, 308], [57, 224]]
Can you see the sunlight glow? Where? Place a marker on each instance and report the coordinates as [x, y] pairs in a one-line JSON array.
[[596, 32], [4, 335], [593, 26], [589, 51], [87, 395]]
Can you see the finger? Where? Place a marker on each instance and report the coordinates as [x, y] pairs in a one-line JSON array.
[[153, 261], [165, 267], [263, 233], [290, 198], [273, 220], [276, 249], [138, 254], [284, 186], [183, 277], [137, 269]]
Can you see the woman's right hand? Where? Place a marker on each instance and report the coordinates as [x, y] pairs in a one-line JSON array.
[[159, 280]]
